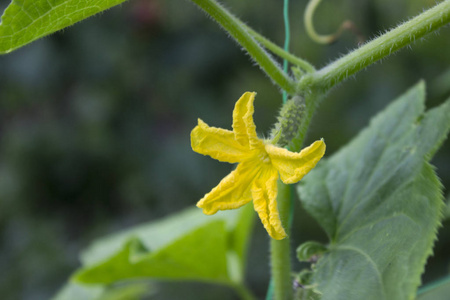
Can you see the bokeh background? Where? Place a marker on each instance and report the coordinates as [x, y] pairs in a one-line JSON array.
[[95, 123]]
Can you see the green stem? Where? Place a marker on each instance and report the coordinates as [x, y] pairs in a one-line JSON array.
[[281, 251], [287, 40], [279, 51], [377, 49], [434, 285], [233, 26]]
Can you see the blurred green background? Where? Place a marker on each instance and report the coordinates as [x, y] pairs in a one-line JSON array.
[[95, 123]]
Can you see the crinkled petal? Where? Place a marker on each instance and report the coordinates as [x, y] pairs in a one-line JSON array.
[[232, 192], [293, 166], [264, 193], [243, 126], [218, 143]]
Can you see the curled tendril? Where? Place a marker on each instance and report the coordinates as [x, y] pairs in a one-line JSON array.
[[327, 39]]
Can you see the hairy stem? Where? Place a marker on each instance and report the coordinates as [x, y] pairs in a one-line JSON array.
[[233, 26], [275, 49], [377, 49], [280, 249]]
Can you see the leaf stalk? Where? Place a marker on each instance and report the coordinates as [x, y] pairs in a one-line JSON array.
[[233, 26], [377, 49]]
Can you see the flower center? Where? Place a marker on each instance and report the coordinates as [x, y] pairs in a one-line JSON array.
[[264, 157]]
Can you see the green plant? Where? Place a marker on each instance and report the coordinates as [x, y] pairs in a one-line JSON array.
[[378, 199]]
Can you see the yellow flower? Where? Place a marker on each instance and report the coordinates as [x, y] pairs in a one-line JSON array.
[[260, 162]]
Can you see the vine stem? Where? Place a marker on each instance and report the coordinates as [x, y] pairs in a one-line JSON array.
[[375, 50], [275, 49], [280, 284], [287, 40], [280, 249], [280, 255], [233, 26]]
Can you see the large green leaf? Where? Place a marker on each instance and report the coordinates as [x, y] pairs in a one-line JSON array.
[[27, 20], [158, 234], [198, 255], [184, 246], [380, 203]]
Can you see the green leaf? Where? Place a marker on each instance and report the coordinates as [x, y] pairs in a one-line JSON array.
[[186, 246], [380, 203], [239, 239], [158, 234], [198, 255], [27, 20]]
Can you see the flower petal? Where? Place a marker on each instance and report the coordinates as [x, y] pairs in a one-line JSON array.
[[218, 143], [243, 126], [293, 166], [264, 193], [232, 192]]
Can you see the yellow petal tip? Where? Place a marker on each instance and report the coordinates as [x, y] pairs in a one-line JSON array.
[[279, 235], [206, 210]]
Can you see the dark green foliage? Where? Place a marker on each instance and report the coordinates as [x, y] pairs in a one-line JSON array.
[[380, 203]]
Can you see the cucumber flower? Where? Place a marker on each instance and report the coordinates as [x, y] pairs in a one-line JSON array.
[[260, 163]]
